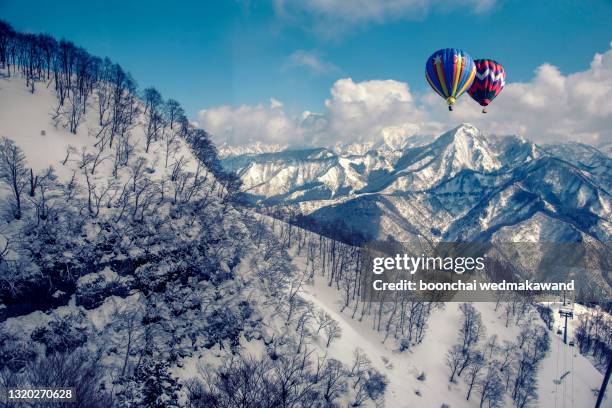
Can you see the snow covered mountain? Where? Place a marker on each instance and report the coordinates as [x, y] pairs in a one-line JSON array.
[[254, 148], [127, 273], [460, 186]]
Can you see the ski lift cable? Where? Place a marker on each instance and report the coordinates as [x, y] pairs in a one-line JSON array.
[[564, 371], [573, 300], [557, 375], [572, 357]]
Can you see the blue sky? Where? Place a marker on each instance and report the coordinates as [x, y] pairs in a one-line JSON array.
[[207, 54]]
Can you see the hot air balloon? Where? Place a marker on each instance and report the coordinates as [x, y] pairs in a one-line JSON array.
[[489, 82], [450, 72]]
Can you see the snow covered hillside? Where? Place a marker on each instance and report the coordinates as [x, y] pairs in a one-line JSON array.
[[418, 367], [124, 259]]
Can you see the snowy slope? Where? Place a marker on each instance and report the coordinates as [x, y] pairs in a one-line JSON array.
[[173, 289], [402, 368], [26, 128]]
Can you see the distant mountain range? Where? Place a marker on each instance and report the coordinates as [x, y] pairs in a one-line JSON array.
[[461, 186]]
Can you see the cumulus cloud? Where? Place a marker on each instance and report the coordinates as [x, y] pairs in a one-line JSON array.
[[311, 61], [248, 124], [551, 107], [333, 16], [369, 110], [355, 112]]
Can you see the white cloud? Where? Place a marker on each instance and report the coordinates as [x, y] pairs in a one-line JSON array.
[[333, 16], [356, 112], [248, 124], [551, 107], [275, 103], [311, 61], [369, 110]]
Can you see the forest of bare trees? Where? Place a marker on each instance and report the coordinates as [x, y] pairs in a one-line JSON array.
[[593, 335]]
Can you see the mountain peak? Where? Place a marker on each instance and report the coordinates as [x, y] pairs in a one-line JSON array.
[[464, 131], [467, 127]]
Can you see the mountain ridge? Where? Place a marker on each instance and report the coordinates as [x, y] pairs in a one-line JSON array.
[[462, 186]]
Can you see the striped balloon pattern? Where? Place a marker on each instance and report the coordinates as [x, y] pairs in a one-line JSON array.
[[489, 82], [450, 72]]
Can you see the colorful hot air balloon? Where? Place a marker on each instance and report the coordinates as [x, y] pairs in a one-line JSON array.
[[489, 82], [450, 72]]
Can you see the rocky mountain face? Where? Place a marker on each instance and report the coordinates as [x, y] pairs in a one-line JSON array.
[[462, 186]]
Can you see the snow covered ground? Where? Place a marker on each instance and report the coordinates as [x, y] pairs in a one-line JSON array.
[[26, 119]]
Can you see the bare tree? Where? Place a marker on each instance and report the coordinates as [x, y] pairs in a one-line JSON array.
[[126, 323], [293, 298], [534, 343], [333, 380], [104, 91], [98, 157], [137, 169], [289, 371], [173, 111], [48, 190], [69, 150], [361, 364], [322, 319], [154, 121], [33, 182], [473, 372], [491, 347], [75, 111], [80, 369], [171, 145], [454, 358], [507, 358], [332, 331], [491, 387], [472, 328], [239, 382], [471, 331], [373, 387], [303, 321], [13, 172]]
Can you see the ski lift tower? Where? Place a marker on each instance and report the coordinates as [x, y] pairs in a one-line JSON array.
[[566, 313]]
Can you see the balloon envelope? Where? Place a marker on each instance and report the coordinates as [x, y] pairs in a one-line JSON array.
[[489, 82], [450, 72]]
